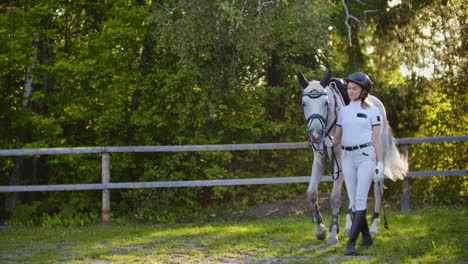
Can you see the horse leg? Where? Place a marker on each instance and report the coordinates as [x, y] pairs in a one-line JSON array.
[[349, 221], [335, 201], [317, 219], [378, 192], [312, 196]]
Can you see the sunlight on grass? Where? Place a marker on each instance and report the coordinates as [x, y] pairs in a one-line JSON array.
[[432, 236]]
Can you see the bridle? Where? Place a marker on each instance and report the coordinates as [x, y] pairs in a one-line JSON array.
[[314, 94]]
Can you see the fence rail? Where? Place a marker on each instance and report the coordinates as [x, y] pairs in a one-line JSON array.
[[201, 183], [259, 146], [105, 184]]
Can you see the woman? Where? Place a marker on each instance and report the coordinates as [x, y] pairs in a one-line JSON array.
[[358, 131]]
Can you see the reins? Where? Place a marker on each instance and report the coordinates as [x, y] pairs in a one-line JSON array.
[[334, 159]]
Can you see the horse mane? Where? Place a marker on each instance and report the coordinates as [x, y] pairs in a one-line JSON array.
[[340, 84], [336, 101]]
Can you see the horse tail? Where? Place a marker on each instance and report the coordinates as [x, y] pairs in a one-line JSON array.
[[396, 165]]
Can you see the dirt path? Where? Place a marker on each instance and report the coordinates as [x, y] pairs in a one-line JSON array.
[[298, 207]]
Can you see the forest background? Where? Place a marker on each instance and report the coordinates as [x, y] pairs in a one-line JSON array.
[[148, 73]]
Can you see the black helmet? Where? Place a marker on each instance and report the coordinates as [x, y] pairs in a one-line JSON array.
[[361, 79]]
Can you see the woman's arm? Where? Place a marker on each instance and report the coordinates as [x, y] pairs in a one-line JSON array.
[[377, 142], [338, 135]]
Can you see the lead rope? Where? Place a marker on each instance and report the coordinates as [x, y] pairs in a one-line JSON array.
[[383, 207], [334, 160]]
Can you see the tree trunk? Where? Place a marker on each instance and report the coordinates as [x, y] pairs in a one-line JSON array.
[[144, 66], [17, 174], [15, 178], [28, 84]]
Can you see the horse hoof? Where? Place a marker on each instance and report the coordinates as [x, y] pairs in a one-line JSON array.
[[374, 230], [321, 236], [346, 232], [374, 227], [320, 232], [332, 241]]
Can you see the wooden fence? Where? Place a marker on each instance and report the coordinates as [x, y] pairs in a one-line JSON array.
[[106, 185]]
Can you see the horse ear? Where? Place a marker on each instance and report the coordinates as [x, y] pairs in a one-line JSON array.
[[326, 79], [302, 80]]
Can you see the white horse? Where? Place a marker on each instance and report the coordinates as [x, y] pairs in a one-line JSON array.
[[321, 102]]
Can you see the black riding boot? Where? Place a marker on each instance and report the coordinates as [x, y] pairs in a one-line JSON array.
[[354, 232], [367, 240]]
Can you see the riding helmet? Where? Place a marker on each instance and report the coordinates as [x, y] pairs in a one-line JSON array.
[[361, 79]]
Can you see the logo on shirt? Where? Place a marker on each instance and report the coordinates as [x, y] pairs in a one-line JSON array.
[[361, 115]]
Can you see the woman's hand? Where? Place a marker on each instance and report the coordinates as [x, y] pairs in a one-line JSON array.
[[329, 141], [379, 172]]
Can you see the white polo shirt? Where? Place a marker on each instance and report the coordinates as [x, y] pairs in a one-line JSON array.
[[356, 123]]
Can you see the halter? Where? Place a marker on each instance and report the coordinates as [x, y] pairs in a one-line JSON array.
[[314, 94]]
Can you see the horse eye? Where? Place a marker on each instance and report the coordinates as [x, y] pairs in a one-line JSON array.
[[303, 104]]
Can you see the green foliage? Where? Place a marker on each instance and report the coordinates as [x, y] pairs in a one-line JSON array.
[[23, 214], [78, 219], [30, 215]]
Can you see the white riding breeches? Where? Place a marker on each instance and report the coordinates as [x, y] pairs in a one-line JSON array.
[[358, 170]]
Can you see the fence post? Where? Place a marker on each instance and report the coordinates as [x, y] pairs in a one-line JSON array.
[[405, 196], [105, 192]]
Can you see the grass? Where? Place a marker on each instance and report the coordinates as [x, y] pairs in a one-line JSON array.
[[432, 235]]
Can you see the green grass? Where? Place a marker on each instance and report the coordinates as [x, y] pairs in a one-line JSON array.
[[433, 235]]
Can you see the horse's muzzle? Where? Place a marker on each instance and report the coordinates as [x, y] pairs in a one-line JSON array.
[[316, 136]]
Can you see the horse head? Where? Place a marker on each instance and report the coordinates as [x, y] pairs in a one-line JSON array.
[[315, 106]]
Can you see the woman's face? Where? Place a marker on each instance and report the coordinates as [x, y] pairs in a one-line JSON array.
[[354, 91]]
